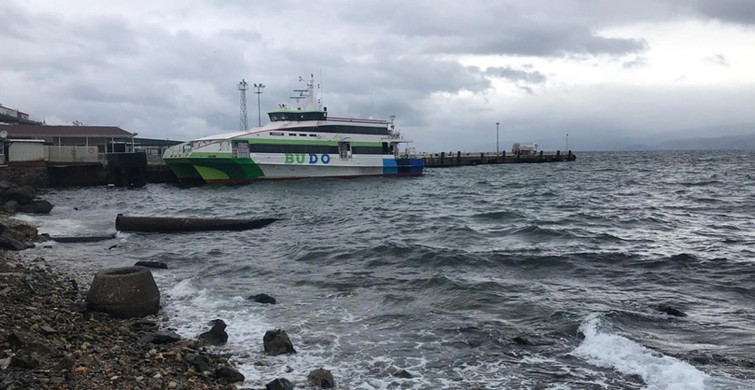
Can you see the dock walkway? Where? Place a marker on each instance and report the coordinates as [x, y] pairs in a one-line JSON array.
[[441, 160]]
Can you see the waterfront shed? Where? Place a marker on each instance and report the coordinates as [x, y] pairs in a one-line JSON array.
[[25, 150], [104, 138]]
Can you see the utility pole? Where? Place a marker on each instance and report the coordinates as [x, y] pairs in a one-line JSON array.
[[497, 150], [243, 87], [258, 90]]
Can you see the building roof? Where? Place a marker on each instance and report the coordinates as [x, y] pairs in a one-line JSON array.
[[22, 130], [155, 142]]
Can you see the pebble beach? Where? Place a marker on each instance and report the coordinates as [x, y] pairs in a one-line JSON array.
[[48, 340]]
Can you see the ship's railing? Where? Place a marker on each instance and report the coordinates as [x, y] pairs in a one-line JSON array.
[[180, 150]]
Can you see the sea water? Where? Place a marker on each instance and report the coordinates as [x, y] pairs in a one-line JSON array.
[[512, 276]]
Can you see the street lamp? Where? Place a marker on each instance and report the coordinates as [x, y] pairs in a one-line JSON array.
[[497, 150], [133, 149], [567, 141], [258, 90]]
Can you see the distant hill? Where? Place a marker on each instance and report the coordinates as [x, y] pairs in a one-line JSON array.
[[736, 137], [736, 142]]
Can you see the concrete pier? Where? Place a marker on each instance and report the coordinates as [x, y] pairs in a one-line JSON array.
[[443, 159]]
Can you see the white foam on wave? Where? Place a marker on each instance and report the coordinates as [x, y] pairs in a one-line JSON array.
[[54, 227], [659, 372], [190, 309]]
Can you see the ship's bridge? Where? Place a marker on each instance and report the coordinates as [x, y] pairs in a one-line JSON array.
[[297, 116]]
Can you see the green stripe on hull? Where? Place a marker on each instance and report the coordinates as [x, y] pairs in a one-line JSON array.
[[182, 168], [227, 168]]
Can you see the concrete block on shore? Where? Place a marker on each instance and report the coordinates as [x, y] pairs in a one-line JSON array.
[[124, 292]]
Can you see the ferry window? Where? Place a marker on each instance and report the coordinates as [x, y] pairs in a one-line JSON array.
[[273, 148], [292, 134], [240, 149], [313, 135], [278, 133], [302, 135]]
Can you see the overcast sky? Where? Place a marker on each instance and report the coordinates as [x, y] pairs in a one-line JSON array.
[[599, 70]]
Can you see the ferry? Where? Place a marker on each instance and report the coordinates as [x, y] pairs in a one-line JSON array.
[[301, 141]]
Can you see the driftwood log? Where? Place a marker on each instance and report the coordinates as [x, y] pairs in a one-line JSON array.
[[83, 238], [168, 225]]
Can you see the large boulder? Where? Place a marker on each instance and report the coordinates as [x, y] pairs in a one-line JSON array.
[[22, 195], [216, 335], [276, 342], [161, 337], [263, 298], [15, 234], [15, 198], [321, 379], [124, 292], [280, 384], [11, 207], [13, 240], [36, 207], [22, 227], [5, 184], [227, 374], [201, 363]]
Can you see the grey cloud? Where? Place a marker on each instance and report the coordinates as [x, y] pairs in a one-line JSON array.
[[736, 11], [398, 88], [556, 40], [526, 89], [51, 47], [637, 62], [247, 36], [717, 59], [488, 28], [14, 22], [516, 75]]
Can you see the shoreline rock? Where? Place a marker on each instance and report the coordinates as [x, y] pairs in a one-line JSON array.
[[276, 342], [216, 335], [15, 198]]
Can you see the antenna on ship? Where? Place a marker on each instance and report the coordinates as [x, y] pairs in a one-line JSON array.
[[308, 94], [319, 101], [258, 90], [243, 87]]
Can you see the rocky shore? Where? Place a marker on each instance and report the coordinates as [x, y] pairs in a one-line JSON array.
[[51, 337], [48, 340]]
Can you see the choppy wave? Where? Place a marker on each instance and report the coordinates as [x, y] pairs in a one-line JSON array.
[[657, 371]]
